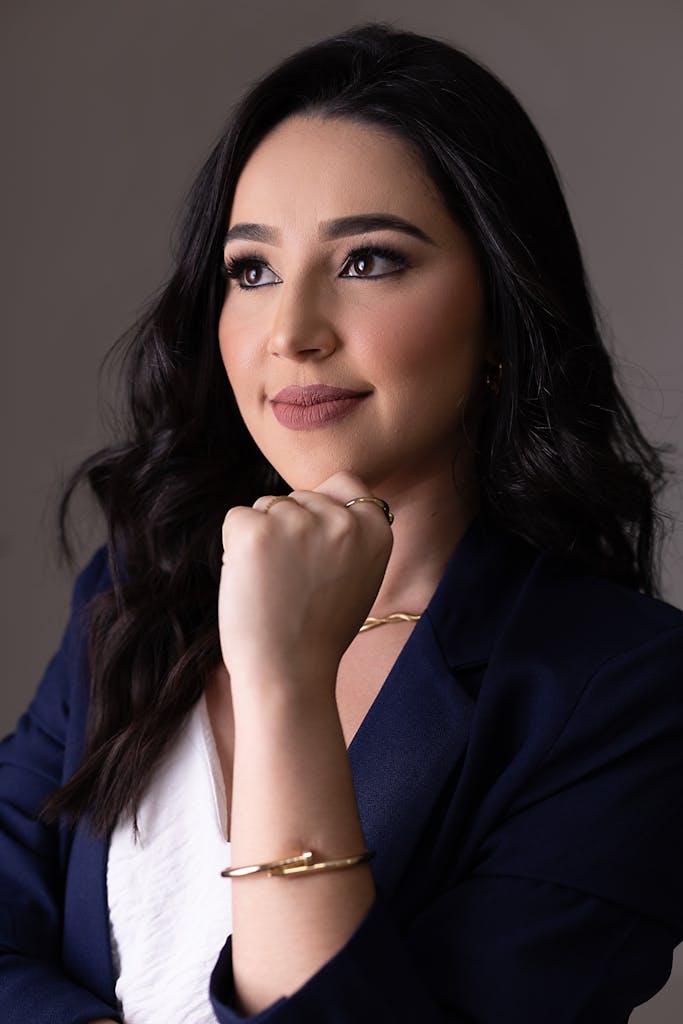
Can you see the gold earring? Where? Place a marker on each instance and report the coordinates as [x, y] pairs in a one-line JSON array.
[[493, 382]]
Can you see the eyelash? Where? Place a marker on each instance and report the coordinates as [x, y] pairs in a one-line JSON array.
[[235, 265]]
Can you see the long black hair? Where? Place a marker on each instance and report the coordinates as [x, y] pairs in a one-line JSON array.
[[561, 460]]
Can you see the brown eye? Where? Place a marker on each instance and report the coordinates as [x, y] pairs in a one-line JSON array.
[[363, 264], [252, 273], [374, 262], [248, 272]]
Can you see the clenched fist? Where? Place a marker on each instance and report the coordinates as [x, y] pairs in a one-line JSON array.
[[298, 581]]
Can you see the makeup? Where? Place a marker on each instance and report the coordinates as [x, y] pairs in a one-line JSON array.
[[313, 406]]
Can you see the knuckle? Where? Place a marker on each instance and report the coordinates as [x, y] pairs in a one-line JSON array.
[[343, 524], [244, 527], [229, 522], [299, 528], [255, 533]]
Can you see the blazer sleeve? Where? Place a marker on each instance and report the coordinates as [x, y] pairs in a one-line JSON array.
[[574, 903], [33, 986]]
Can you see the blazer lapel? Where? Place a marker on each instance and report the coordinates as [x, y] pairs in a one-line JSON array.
[[414, 737], [87, 944], [86, 947]]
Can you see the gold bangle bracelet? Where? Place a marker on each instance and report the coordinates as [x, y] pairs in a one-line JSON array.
[[298, 865]]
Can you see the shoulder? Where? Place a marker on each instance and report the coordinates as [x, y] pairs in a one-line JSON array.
[[579, 656], [505, 603], [564, 610], [577, 739], [94, 578], [64, 682]]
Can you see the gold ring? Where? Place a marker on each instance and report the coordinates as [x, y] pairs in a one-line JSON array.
[[380, 502], [280, 497]]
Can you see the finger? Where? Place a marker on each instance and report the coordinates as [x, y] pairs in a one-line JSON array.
[[378, 503], [345, 520], [321, 505], [237, 512], [268, 501], [343, 486], [348, 488]]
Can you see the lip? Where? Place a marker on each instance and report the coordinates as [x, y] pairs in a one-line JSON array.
[[314, 406], [314, 394]]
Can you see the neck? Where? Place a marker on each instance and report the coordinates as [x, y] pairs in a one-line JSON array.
[[431, 517]]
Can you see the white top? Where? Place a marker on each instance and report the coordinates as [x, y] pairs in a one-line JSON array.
[[169, 908]]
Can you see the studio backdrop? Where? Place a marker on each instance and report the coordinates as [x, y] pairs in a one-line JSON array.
[[109, 110]]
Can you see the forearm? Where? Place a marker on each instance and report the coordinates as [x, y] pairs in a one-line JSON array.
[[292, 790]]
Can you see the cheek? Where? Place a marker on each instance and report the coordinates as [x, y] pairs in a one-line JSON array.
[[224, 343], [433, 333], [238, 358]]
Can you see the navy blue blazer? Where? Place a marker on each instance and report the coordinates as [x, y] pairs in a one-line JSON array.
[[520, 775]]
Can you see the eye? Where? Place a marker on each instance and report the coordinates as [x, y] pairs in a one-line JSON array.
[[369, 260], [252, 268]]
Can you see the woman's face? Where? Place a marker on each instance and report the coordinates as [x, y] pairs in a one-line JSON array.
[[348, 273]]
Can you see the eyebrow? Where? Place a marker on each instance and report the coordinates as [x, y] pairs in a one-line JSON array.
[[341, 227]]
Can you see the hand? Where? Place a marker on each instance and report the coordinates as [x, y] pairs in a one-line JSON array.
[[298, 581]]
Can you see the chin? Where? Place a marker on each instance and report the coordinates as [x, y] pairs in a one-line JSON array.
[[310, 479], [307, 474]]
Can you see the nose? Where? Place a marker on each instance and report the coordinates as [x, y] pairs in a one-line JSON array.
[[301, 330]]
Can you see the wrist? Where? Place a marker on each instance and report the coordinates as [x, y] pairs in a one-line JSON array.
[[280, 714], [278, 688]]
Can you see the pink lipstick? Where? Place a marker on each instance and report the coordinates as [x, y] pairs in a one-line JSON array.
[[315, 405]]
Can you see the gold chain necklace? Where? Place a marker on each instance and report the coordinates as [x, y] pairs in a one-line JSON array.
[[372, 622]]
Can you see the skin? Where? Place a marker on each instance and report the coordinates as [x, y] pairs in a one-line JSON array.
[[284, 710], [413, 336]]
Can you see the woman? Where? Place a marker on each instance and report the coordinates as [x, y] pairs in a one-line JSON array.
[[378, 583]]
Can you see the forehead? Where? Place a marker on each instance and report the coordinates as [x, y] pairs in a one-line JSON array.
[[311, 168]]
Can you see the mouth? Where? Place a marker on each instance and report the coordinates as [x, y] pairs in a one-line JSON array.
[[315, 405]]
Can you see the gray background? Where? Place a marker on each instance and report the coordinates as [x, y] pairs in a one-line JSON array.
[[110, 110]]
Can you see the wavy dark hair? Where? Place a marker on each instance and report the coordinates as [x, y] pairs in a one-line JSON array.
[[561, 460]]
